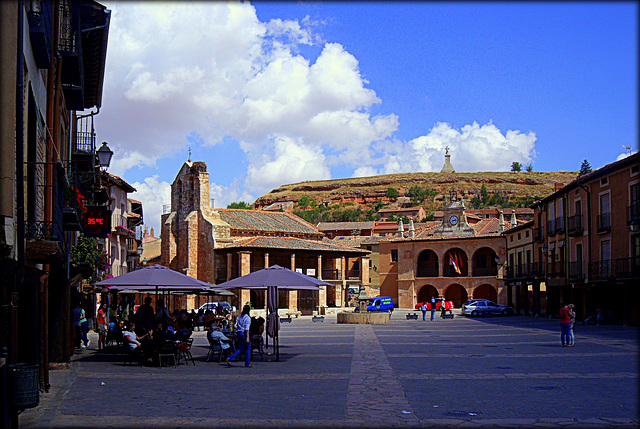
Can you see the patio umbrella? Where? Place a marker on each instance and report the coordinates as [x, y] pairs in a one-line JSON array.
[[274, 278], [154, 276], [157, 278]]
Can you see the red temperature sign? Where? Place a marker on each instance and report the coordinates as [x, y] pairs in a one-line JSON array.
[[97, 221]]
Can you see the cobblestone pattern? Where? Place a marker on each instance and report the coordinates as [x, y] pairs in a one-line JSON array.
[[374, 395]]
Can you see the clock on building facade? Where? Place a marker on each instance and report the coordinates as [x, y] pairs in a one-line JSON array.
[[453, 220]]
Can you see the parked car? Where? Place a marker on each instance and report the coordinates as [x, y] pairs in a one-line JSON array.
[[212, 306], [448, 305], [477, 307], [380, 303]]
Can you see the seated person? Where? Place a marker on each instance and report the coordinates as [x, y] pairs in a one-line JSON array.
[[225, 342], [183, 332], [131, 340]]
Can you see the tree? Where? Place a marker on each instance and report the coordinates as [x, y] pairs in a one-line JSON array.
[[529, 168], [392, 193], [516, 167], [585, 167], [240, 205], [304, 202]]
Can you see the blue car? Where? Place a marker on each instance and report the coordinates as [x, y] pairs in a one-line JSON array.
[[380, 303]]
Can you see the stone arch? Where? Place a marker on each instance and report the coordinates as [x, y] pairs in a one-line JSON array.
[[458, 255], [257, 297], [427, 264], [486, 291], [457, 293], [426, 292], [484, 262]]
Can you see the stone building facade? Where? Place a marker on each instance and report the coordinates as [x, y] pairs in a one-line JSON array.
[[216, 245], [450, 259]]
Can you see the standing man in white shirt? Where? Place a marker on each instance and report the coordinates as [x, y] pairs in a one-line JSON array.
[[244, 340]]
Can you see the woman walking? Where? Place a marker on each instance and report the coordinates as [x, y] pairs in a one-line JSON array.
[[244, 340]]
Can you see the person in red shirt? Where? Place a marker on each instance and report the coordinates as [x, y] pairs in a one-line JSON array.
[[102, 326], [565, 326]]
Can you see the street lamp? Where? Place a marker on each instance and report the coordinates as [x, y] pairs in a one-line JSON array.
[[104, 156]]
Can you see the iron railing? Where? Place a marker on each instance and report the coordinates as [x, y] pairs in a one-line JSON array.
[[331, 275], [538, 234], [485, 271], [576, 270], [574, 225], [633, 212], [551, 227]]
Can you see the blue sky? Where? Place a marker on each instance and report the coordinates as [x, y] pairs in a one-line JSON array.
[[274, 93]]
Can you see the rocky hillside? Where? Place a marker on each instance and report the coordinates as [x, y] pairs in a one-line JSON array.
[[369, 190]]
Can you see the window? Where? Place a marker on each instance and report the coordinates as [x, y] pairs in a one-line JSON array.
[[511, 238], [526, 234], [519, 236], [394, 255], [604, 181], [635, 169]]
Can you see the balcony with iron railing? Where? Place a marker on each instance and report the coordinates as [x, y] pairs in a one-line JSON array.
[[574, 225], [601, 270], [604, 222], [521, 271], [627, 267], [119, 224], [576, 270], [555, 268], [559, 225]]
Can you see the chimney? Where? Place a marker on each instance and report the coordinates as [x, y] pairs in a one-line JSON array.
[[400, 229], [558, 186], [145, 233], [152, 232], [412, 231], [501, 221], [514, 220]]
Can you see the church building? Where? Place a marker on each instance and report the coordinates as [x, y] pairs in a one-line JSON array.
[[216, 245]]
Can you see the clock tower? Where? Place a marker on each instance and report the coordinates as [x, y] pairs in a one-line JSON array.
[[454, 220]]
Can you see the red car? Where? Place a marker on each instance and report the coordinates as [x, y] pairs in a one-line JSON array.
[[448, 305]]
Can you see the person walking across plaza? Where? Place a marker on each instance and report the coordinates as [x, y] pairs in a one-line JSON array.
[[565, 325], [423, 308], [244, 340], [433, 308]]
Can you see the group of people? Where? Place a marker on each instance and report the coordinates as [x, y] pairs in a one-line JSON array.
[[424, 308], [567, 322]]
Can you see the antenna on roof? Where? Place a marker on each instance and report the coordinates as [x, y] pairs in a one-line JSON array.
[[189, 160]]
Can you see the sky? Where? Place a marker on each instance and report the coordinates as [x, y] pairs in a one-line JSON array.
[[272, 93]]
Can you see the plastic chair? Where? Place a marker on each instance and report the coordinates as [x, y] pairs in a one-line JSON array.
[[257, 343], [184, 350], [167, 351]]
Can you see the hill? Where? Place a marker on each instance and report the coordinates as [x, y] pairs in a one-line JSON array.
[[522, 187]]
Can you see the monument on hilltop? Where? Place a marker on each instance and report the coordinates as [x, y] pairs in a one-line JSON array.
[[447, 167]]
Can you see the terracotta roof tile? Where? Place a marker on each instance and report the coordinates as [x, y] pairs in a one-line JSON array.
[[272, 222]]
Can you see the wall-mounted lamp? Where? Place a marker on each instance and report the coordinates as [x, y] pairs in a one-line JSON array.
[[104, 155]]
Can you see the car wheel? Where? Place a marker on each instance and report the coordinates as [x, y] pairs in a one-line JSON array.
[[505, 312], [475, 313]]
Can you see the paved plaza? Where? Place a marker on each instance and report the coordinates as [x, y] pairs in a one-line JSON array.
[[484, 372]]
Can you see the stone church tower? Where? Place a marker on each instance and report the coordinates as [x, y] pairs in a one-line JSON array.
[[190, 231]]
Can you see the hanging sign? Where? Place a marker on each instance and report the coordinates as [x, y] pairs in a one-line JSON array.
[[97, 221]]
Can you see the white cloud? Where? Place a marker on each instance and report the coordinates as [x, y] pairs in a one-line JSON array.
[[290, 162], [153, 193], [473, 148]]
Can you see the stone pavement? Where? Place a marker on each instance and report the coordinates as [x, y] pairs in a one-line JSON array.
[[485, 372]]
